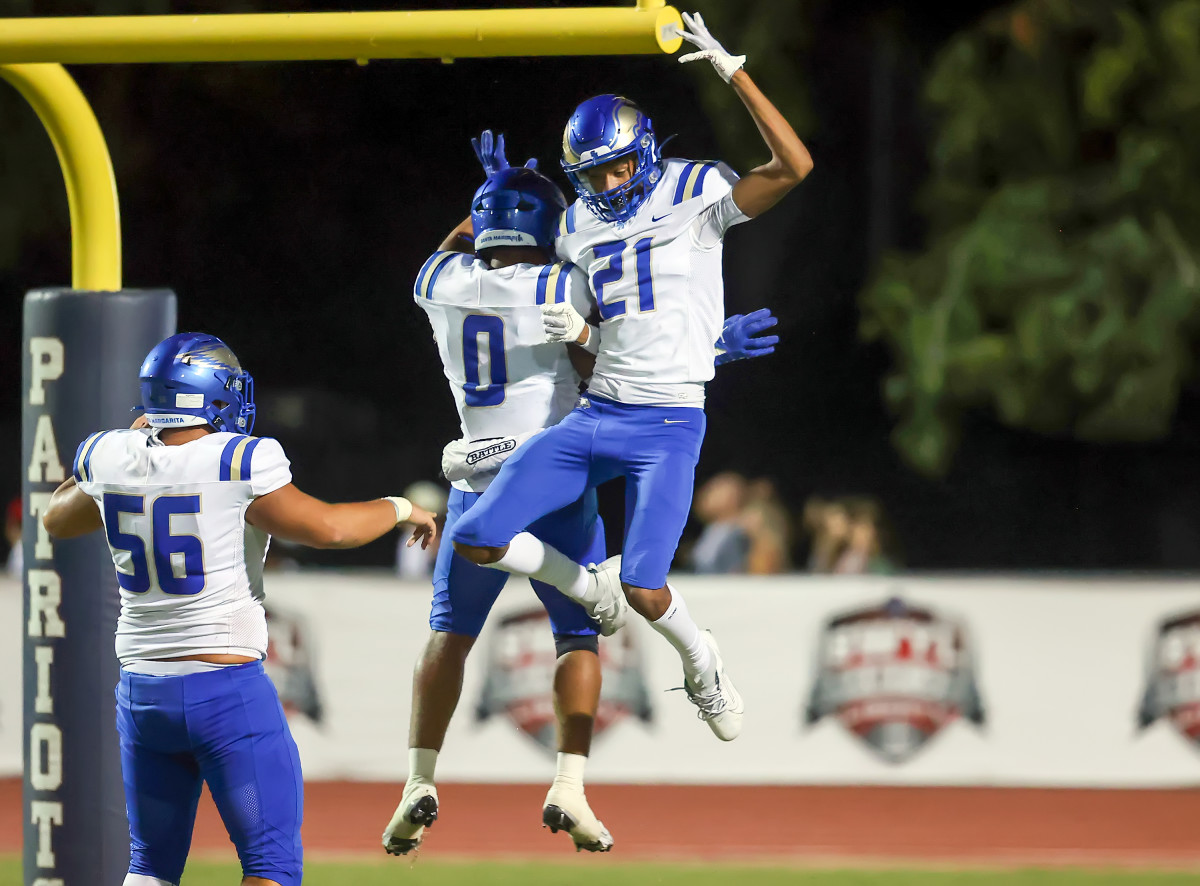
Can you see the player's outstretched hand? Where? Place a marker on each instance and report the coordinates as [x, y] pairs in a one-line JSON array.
[[697, 34], [562, 323], [424, 526], [490, 152], [742, 339]]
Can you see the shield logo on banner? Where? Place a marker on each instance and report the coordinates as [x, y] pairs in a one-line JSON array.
[[894, 675], [520, 678], [289, 663], [1173, 677]]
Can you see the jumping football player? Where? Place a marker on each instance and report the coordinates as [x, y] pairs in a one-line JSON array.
[[508, 384], [649, 232], [189, 502]]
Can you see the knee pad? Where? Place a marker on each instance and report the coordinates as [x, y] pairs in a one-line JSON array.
[[143, 880], [564, 643]]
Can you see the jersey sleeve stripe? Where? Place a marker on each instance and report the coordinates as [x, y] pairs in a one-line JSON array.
[[248, 457], [569, 215], [227, 457], [682, 184], [79, 458], [239, 462], [696, 188], [439, 264], [543, 279], [424, 272], [83, 459], [561, 273]]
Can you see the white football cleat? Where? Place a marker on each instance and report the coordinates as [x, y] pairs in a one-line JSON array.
[[418, 810], [605, 598], [566, 809], [722, 707]]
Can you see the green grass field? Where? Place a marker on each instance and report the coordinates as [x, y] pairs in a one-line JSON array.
[[443, 873]]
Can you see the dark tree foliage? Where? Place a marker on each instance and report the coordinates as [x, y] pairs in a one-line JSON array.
[[1059, 288]]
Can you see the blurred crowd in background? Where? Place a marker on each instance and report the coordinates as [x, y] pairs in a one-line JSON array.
[[746, 528]]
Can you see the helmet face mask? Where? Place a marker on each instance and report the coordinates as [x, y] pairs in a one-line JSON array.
[[516, 207], [603, 129], [193, 379]]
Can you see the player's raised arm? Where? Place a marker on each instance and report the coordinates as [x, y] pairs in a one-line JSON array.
[[461, 239], [296, 516], [71, 512], [490, 152], [790, 162]]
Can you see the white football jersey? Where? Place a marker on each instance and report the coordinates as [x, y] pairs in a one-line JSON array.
[[505, 378], [188, 564], [657, 279]]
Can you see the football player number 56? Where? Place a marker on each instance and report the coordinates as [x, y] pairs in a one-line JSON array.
[[178, 559]]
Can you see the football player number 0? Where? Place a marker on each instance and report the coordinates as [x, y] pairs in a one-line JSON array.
[[615, 253], [173, 554], [492, 393]]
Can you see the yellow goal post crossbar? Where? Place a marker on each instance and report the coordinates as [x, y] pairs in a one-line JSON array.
[[32, 51]]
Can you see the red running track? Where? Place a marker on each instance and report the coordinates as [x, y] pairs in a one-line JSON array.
[[969, 826]]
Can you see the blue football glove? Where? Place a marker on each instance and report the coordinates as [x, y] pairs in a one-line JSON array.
[[741, 339], [491, 153]]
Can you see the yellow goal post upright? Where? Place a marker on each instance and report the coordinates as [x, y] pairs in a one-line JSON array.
[[82, 346]]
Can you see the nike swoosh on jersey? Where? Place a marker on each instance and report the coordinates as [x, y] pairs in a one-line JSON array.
[[675, 421], [658, 218]]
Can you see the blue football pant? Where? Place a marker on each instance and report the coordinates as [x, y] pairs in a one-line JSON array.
[[655, 448], [464, 592], [225, 728]]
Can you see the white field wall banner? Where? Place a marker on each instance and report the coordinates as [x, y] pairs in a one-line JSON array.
[[917, 681]]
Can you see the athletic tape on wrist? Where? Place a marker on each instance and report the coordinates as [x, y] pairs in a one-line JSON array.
[[402, 505]]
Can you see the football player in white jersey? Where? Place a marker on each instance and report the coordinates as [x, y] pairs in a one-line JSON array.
[[189, 502], [648, 233], [508, 384]]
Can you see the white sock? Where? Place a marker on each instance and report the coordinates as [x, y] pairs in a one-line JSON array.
[[570, 769], [681, 632], [421, 764], [143, 880], [532, 558]]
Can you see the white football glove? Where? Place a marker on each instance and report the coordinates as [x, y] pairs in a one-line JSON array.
[[727, 65], [562, 323]]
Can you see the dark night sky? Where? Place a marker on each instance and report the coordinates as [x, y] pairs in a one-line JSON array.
[[291, 205]]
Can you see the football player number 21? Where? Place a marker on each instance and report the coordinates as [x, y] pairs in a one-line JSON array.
[[178, 559], [615, 253]]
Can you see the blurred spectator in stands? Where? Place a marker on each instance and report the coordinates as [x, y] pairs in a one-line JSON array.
[[827, 525], [413, 562], [724, 544], [12, 535], [868, 548], [769, 528]]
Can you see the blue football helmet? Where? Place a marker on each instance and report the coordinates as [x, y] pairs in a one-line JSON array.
[[516, 207], [603, 129], [194, 379]]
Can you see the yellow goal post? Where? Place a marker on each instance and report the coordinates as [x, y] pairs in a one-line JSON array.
[[33, 50]]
